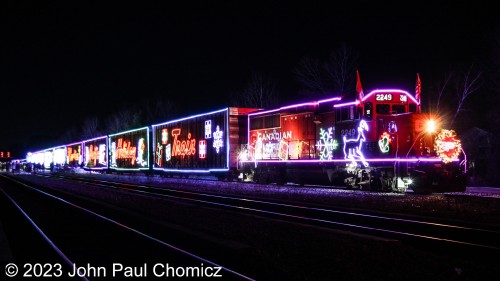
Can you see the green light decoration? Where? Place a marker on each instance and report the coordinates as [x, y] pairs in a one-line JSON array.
[[326, 144], [384, 142]]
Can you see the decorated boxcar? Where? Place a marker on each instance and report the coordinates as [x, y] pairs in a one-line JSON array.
[[207, 143], [129, 150], [95, 153]]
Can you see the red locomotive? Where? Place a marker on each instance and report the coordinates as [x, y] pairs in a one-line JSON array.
[[381, 141]]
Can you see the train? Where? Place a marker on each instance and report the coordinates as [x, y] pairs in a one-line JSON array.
[[380, 141]]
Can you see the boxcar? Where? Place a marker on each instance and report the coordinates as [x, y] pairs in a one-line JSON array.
[[129, 150], [95, 153], [207, 143]]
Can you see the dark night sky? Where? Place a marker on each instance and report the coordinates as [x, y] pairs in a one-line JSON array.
[[62, 62]]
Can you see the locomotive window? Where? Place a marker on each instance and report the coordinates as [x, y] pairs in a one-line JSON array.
[[256, 123], [265, 122], [346, 113], [397, 108], [342, 114], [383, 109], [368, 111], [272, 121]]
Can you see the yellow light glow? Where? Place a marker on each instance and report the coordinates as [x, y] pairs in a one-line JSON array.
[[431, 126]]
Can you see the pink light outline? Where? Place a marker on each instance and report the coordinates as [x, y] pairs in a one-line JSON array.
[[346, 104], [204, 171], [285, 107], [295, 105], [407, 160], [391, 90]]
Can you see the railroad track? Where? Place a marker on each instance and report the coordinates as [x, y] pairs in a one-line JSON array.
[[279, 231], [433, 234], [89, 244]]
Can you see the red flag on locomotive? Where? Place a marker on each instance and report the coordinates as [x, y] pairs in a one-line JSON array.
[[359, 89]]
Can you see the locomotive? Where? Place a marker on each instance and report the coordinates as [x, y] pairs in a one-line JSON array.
[[380, 141]]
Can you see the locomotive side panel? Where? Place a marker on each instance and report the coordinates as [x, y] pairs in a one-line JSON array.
[[265, 137], [299, 135]]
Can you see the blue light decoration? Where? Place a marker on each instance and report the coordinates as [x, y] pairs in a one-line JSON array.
[[168, 152], [208, 129], [202, 149], [326, 144], [218, 142], [352, 147], [392, 127]]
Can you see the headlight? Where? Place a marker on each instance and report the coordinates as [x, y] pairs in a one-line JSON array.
[[430, 126]]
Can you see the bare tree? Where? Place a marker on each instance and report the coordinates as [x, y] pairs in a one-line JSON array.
[[90, 128], [466, 85], [259, 93], [340, 69], [310, 75], [438, 93], [335, 76], [123, 120], [496, 62], [69, 136], [157, 110], [441, 90]]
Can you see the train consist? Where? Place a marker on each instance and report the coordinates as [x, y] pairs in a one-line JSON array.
[[380, 141]]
